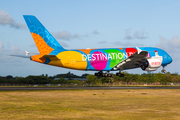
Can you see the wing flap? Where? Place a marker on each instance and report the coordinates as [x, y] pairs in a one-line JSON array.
[[132, 61]]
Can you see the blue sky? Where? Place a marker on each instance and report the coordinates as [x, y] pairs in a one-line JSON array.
[[88, 24]]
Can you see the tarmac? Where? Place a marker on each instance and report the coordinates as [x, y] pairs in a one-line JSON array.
[[79, 88]]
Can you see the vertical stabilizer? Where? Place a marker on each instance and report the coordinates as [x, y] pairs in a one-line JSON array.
[[44, 41]]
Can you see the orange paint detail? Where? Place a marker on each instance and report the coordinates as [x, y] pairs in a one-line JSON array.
[[87, 51], [42, 46], [38, 58], [121, 48]]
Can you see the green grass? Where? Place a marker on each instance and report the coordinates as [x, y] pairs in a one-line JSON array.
[[91, 104]]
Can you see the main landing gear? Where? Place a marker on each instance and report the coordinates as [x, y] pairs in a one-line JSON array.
[[100, 73], [119, 74], [163, 70]]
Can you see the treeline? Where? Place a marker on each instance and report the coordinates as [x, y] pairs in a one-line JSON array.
[[143, 78], [43, 79], [36, 80], [91, 79]]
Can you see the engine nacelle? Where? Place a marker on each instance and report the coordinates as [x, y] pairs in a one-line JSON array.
[[153, 64]]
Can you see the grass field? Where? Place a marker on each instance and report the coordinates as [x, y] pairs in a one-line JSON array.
[[91, 104]]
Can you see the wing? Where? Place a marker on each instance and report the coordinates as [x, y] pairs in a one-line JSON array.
[[132, 61]]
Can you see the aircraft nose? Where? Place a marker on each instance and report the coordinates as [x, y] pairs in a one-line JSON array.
[[167, 59], [170, 59]]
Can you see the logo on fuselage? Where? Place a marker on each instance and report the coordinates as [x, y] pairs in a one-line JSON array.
[[102, 56]]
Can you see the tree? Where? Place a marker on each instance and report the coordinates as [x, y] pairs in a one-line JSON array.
[[159, 77], [91, 79], [9, 77], [106, 80], [84, 75]]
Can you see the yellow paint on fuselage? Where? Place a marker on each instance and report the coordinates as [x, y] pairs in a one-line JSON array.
[[70, 59]]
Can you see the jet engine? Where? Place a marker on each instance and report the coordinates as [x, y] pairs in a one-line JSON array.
[[153, 64]]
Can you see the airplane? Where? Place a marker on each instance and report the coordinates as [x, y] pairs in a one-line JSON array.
[[104, 59]]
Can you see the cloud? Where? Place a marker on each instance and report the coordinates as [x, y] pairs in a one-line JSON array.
[[128, 34], [128, 44], [5, 53], [136, 35], [6, 19], [64, 35], [140, 34], [174, 42], [63, 44], [1, 47], [16, 50], [32, 45], [102, 42], [171, 46], [95, 32]]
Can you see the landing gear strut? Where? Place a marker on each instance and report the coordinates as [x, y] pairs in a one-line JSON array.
[[99, 73], [163, 70], [119, 74]]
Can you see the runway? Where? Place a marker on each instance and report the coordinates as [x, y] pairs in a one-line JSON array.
[[79, 88]]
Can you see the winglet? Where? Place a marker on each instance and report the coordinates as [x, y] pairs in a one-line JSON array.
[[138, 50], [27, 53]]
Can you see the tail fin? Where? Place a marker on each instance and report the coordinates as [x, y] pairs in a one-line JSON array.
[[44, 41]]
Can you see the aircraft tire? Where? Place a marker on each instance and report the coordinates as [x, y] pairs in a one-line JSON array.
[[117, 74], [143, 67], [145, 63]]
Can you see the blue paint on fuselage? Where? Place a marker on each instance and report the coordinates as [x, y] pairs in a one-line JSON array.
[[166, 58]]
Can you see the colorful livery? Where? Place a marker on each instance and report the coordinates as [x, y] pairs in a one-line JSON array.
[[107, 59]]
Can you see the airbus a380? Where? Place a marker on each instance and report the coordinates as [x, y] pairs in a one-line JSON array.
[[109, 59]]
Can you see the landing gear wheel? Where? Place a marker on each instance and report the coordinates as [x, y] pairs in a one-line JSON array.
[[99, 73], [163, 70], [142, 67], [109, 75], [145, 63], [105, 75], [119, 74]]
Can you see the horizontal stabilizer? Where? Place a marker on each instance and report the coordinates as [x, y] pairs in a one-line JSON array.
[[52, 57], [23, 56]]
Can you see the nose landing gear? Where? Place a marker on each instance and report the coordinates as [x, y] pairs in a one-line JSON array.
[[163, 70]]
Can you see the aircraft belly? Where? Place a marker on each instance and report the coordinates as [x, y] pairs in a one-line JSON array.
[[71, 59]]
